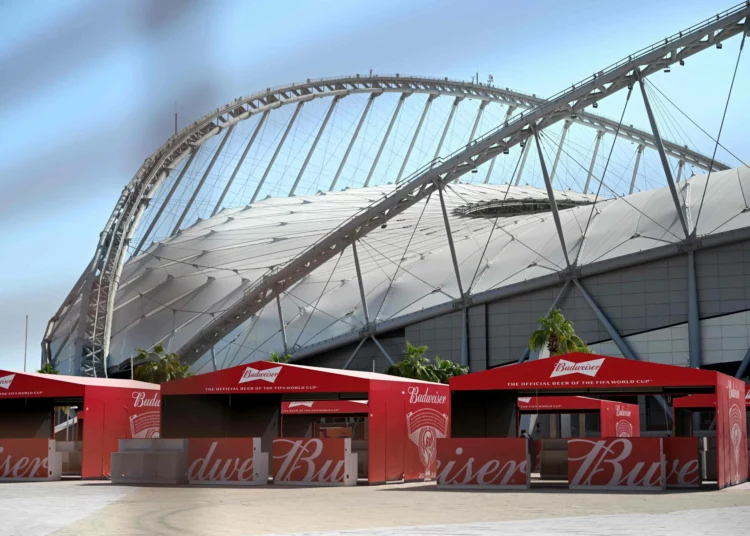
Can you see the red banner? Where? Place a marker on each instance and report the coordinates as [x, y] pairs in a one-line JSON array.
[[616, 463], [314, 462], [491, 463], [227, 460], [26, 459], [427, 410], [620, 420], [683, 469], [731, 432]]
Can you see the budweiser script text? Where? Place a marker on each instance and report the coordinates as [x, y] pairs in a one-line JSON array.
[[140, 400], [610, 462], [415, 397], [212, 468], [22, 467], [308, 460]]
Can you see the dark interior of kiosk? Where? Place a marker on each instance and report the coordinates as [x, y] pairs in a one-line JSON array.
[[47, 418], [495, 414], [259, 415]]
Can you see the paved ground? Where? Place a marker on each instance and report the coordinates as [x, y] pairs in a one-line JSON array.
[[93, 508]]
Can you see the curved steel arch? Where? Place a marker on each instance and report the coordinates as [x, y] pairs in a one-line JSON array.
[[98, 286], [435, 175]]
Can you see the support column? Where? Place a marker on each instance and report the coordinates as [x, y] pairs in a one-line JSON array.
[[277, 151], [385, 138], [314, 145], [351, 143], [354, 354], [380, 346], [599, 136], [566, 126], [523, 162], [242, 160], [447, 126], [450, 240], [361, 284], [694, 328], [480, 112], [283, 326], [680, 165], [492, 162], [638, 154], [426, 109], [164, 203], [527, 352], [203, 179], [663, 155], [551, 196]]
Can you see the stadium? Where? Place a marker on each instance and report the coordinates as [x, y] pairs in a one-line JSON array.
[[336, 219]]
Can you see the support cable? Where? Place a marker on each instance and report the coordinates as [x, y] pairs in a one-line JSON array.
[[718, 136]]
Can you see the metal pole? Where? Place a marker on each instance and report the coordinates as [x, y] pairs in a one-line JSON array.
[[26, 343], [450, 239], [385, 138], [523, 162], [283, 327], [492, 162], [635, 168], [480, 112], [361, 284], [277, 151], [351, 143], [662, 155], [354, 354], [694, 328], [213, 357], [416, 135], [203, 179], [599, 136], [743, 366], [527, 352], [551, 196], [448, 125], [680, 165], [566, 126], [388, 357], [242, 160], [314, 145], [165, 202]]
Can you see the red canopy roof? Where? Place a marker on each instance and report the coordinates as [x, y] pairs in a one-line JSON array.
[[268, 377], [559, 403], [35, 385], [704, 401], [584, 371], [324, 407]]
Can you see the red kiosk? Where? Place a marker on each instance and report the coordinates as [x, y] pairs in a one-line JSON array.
[[32, 447], [303, 425], [704, 405], [612, 419], [484, 448]]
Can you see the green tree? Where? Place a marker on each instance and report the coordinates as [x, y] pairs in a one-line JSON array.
[[158, 366], [557, 334], [47, 368], [416, 366], [276, 358]]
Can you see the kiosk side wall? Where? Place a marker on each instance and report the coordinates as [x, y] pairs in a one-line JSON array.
[[731, 431]]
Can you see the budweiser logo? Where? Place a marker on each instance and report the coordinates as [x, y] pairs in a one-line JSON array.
[[22, 467], [145, 425], [736, 436], [733, 393], [415, 397], [268, 375], [524, 399], [587, 368], [624, 428], [304, 460], [140, 400], [5, 381], [214, 469], [620, 412], [607, 462], [463, 470], [305, 404]]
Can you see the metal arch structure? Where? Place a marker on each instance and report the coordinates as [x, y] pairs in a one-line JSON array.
[[98, 286], [434, 175]]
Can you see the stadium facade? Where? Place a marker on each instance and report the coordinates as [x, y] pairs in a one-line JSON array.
[[339, 254]]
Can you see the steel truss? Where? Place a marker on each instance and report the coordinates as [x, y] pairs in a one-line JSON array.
[[98, 286]]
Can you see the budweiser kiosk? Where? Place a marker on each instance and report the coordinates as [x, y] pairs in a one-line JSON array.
[[484, 449], [297, 425], [596, 418], [694, 416], [35, 446]]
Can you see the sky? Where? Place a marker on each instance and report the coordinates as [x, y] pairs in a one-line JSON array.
[[88, 89]]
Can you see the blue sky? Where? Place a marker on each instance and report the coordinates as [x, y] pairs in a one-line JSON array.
[[89, 87]]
